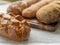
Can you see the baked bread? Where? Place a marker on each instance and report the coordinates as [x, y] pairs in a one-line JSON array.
[[18, 6], [14, 28], [49, 13], [30, 12]]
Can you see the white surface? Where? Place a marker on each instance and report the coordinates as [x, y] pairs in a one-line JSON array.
[[36, 36]]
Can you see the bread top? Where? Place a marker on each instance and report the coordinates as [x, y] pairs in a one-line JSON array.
[[15, 24]]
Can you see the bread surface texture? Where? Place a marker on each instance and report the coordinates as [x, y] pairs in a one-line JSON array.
[[17, 7], [49, 13], [14, 28], [30, 12]]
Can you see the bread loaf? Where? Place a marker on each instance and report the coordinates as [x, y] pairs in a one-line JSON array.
[[14, 28], [49, 13], [18, 6], [31, 11]]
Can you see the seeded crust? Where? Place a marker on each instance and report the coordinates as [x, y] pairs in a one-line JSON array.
[[49, 13], [14, 28]]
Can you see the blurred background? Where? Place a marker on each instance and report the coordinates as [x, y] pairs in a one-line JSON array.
[[6, 1]]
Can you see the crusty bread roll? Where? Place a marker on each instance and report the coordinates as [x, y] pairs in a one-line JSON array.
[[49, 13], [18, 6], [14, 28], [31, 11]]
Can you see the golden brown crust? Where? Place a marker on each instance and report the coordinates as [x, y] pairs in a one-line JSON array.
[[17, 7], [49, 13], [30, 12], [14, 29]]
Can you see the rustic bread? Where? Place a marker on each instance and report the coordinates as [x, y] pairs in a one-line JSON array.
[[18, 6], [14, 28], [49, 13], [30, 12]]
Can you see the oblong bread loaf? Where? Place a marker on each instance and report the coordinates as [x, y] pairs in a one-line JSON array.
[[31, 11]]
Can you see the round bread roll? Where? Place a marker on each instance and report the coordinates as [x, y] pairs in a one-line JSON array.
[[18, 6], [49, 13], [14, 28], [30, 12]]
